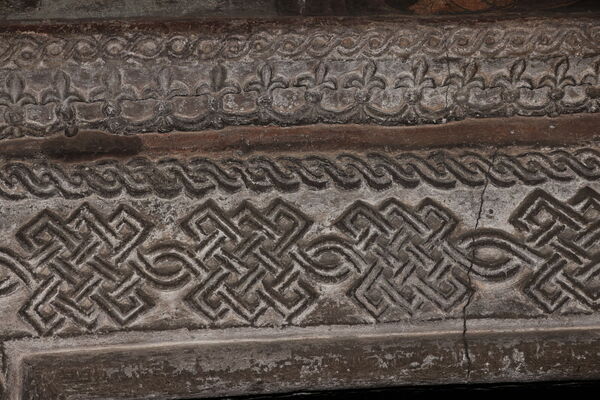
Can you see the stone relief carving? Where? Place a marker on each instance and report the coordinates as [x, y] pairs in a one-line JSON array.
[[359, 40], [392, 239], [198, 177], [87, 270], [52, 84]]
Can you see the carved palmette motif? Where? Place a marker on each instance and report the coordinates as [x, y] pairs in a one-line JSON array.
[[251, 265], [390, 74]]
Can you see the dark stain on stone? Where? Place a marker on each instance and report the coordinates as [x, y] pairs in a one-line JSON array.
[[90, 145], [560, 131]]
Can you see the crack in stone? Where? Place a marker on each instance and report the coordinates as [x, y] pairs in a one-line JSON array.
[[447, 70], [467, 354]]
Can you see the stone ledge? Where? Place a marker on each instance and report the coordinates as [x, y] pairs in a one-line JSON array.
[[241, 361]]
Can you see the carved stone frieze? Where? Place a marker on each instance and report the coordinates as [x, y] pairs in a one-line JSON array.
[[388, 73], [216, 207], [115, 247], [200, 177], [273, 241]]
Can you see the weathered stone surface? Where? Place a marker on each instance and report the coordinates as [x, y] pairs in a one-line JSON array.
[[128, 78], [283, 245], [185, 365], [187, 213]]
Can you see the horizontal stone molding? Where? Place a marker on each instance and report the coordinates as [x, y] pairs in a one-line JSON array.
[[299, 39], [198, 177], [279, 242], [229, 363], [352, 243], [338, 202], [384, 73]]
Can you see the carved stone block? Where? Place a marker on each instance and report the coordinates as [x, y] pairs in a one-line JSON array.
[[232, 208]]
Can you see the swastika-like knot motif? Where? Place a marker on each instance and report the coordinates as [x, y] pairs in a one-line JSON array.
[[568, 235], [93, 270], [90, 270], [413, 262], [245, 257], [76, 263]]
